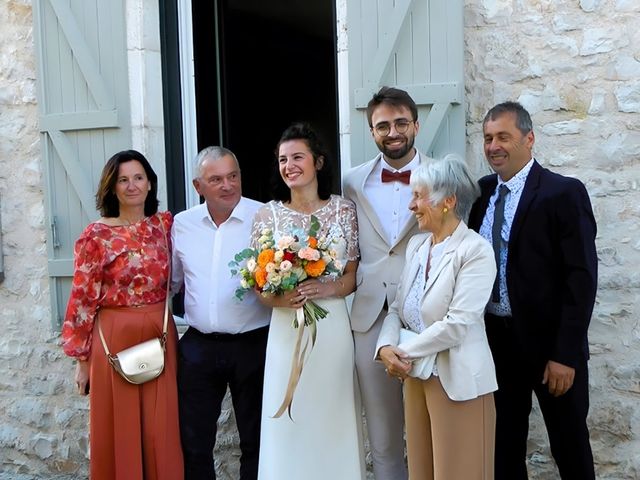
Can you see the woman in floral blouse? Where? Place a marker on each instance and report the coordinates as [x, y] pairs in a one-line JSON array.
[[120, 281]]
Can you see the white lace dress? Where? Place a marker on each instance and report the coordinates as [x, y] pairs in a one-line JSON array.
[[324, 439]]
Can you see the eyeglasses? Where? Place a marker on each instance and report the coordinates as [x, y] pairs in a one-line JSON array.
[[383, 129]]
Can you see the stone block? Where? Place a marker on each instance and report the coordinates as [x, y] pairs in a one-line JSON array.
[[44, 445], [628, 97], [627, 6], [566, 127], [624, 67], [602, 40], [563, 23], [598, 99], [589, 5]]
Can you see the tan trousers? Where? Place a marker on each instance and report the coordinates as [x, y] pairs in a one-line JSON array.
[[448, 440]]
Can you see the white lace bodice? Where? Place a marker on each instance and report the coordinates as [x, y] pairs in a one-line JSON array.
[[338, 223]]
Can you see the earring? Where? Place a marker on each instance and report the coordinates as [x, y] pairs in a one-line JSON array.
[[445, 210]]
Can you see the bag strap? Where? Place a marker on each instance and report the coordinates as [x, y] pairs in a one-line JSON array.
[[166, 300], [165, 324]]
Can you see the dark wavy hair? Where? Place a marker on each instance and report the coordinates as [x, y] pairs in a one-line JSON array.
[[303, 131], [107, 201], [393, 97]]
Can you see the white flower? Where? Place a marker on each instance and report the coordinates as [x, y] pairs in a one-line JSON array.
[[271, 267], [251, 264], [285, 266], [244, 283], [266, 231], [278, 255], [285, 242], [263, 239], [309, 253], [274, 278]]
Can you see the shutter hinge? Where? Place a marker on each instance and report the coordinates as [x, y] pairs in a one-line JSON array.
[[54, 233]]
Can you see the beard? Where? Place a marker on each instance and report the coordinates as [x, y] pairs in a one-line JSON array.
[[395, 154]]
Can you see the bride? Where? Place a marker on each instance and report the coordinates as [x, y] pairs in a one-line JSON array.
[[322, 439]]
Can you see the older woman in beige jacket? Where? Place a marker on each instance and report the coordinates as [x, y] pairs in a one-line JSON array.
[[433, 338]]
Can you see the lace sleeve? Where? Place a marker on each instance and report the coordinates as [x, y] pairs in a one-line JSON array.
[[262, 219], [349, 221]]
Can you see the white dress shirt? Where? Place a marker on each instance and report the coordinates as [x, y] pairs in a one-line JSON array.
[[512, 199], [201, 255], [390, 200]]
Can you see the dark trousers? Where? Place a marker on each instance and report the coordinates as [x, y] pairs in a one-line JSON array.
[[207, 364], [565, 416]]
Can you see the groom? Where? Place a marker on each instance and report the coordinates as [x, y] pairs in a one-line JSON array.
[[380, 189]]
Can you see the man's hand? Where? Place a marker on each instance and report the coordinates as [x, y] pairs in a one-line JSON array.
[[558, 377]]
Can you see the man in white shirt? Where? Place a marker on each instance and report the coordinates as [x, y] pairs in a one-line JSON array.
[[380, 189], [226, 340]]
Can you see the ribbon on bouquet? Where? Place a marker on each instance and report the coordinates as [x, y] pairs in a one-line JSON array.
[[297, 360]]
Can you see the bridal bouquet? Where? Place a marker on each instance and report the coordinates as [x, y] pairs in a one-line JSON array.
[[275, 268], [278, 267]]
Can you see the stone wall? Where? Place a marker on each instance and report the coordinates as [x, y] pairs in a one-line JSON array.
[[575, 65], [43, 428]]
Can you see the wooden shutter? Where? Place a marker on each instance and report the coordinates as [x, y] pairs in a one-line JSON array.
[[416, 45], [84, 118]]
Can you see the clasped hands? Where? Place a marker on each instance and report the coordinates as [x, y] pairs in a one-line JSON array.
[[396, 362]]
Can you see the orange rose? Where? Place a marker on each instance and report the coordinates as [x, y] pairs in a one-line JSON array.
[[265, 257], [313, 242], [261, 277], [315, 268]]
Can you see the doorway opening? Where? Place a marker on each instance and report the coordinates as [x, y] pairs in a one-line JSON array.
[[259, 66]]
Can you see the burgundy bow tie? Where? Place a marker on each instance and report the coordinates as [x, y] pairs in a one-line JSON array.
[[389, 176]]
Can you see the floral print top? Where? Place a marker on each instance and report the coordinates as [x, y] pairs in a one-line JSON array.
[[115, 267]]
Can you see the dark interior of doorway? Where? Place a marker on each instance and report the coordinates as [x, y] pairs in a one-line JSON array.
[[277, 65]]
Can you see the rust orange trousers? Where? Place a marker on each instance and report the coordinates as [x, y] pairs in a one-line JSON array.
[[134, 432]]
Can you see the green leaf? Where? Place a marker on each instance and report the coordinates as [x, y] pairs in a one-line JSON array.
[[314, 226]]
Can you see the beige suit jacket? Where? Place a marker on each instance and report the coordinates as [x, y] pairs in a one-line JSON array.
[[380, 263], [452, 309]]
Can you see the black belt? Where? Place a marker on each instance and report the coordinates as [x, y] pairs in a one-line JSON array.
[[492, 320], [229, 336]]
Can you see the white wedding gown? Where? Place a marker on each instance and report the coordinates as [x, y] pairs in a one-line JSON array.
[[323, 440]]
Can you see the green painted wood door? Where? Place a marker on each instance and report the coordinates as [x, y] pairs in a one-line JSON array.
[[416, 45], [83, 104]]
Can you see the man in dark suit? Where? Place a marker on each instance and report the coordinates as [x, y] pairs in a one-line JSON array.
[[543, 232]]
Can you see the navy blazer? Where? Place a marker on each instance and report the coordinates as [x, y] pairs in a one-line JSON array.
[[551, 266]]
